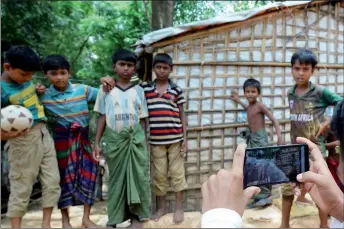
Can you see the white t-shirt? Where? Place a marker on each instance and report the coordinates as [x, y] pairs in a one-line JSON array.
[[335, 223], [227, 218], [122, 107], [221, 218]]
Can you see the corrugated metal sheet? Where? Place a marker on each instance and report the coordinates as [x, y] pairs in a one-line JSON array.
[[165, 33]]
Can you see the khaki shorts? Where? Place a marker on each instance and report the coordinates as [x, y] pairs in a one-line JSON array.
[[168, 157], [30, 157]]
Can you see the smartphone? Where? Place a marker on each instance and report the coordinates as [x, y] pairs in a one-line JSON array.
[[275, 164]]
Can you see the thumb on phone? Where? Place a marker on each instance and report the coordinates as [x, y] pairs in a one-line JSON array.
[[311, 178]]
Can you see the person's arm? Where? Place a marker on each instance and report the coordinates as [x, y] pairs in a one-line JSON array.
[[143, 123], [101, 122], [10, 135], [91, 93], [319, 183], [40, 89], [224, 198], [266, 112], [180, 102], [183, 120], [99, 134], [330, 99], [235, 97], [108, 83], [143, 111], [331, 145]]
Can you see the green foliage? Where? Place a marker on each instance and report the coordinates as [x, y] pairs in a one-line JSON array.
[[25, 23], [87, 32], [245, 5], [191, 11]]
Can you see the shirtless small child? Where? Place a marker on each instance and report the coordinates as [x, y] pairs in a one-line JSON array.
[[257, 136]]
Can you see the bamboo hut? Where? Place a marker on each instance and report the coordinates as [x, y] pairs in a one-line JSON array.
[[214, 56]]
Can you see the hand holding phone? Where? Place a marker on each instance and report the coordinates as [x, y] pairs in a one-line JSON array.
[[319, 183], [275, 164]]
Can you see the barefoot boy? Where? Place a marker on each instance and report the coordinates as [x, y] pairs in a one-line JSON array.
[[168, 137], [307, 103], [33, 154], [68, 105], [257, 136], [122, 110]]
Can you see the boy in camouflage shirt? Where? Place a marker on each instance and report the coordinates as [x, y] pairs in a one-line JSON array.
[[307, 103]]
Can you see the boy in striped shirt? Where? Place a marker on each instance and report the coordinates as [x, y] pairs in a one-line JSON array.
[[168, 139]]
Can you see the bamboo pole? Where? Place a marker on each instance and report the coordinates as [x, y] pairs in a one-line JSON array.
[[252, 63], [227, 125]]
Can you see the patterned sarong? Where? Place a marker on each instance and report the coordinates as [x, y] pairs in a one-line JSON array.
[[78, 170]]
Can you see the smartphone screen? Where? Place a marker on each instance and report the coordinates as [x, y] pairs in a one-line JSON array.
[[275, 164]]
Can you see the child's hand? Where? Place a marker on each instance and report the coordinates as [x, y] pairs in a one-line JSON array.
[[40, 89], [96, 153], [10, 135], [234, 95], [324, 127], [108, 83], [184, 146]]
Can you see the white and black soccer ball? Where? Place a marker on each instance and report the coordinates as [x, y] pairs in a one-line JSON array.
[[16, 118]]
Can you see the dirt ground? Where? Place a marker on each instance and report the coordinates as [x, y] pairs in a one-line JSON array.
[[302, 217], [270, 217]]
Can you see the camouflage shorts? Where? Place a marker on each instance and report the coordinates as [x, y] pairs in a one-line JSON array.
[[287, 190]]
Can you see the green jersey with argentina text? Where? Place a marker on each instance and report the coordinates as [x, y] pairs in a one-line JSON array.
[[307, 112]]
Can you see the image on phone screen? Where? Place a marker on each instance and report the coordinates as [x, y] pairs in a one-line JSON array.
[[275, 164]]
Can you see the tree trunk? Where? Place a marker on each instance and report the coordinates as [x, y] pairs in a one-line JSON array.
[[162, 14], [149, 19]]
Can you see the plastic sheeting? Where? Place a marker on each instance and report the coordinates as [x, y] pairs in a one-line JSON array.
[[161, 34]]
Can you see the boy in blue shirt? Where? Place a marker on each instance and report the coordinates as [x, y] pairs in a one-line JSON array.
[[31, 154], [68, 105]]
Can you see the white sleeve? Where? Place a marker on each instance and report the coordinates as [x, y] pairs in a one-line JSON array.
[[336, 224], [221, 218]]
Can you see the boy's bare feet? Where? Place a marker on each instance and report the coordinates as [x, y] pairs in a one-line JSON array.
[[285, 226], [135, 223], [161, 212], [65, 218], [324, 226], [66, 224], [46, 225], [178, 217], [87, 223], [124, 224], [161, 208]]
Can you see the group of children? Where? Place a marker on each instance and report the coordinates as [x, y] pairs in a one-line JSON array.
[[307, 103], [67, 165]]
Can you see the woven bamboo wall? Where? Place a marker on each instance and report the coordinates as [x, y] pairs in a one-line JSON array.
[[209, 66]]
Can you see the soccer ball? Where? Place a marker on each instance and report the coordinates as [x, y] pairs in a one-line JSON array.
[[15, 118]]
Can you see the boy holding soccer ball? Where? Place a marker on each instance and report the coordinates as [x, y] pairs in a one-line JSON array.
[[30, 154]]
